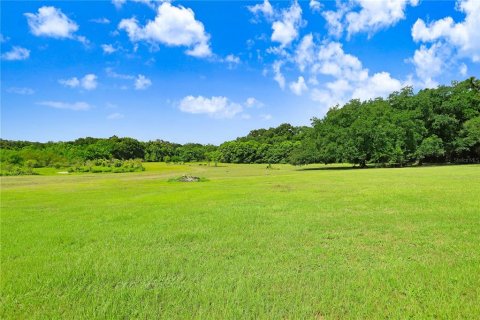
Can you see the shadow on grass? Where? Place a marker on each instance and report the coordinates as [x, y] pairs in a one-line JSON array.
[[328, 168], [426, 165]]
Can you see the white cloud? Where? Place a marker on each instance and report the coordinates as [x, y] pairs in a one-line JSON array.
[[350, 78], [366, 15], [463, 69], [112, 74], [304, 54], [17, 53], [265, 8], [298, 87], [76, 106], [118, 3], [315, 5], [379, 85], [216, 107], [115, 116], [334, 19], [142, 82], [333, 61], [108, 48], [286, 29], [173, 26], [88, 82], [232, 59], [266, 117], [463, 36], [72, 82], [429, 63], [52, 22], [100, 21], [22, 91], [278, 75], [252, 102], [376, 15]]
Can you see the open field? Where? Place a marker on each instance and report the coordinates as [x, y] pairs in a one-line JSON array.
[[248, 243]]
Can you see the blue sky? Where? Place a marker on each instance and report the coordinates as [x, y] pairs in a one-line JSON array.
[[209, 71]]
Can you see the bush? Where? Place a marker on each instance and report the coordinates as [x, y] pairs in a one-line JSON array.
[[103, 165], [15, 170]]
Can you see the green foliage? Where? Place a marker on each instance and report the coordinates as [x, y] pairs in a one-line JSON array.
[[431, 148], [214, 156], [15, 170], [103, 165], [433, 125], [273, 145]]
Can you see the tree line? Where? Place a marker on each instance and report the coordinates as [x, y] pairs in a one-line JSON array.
[[439, 125]]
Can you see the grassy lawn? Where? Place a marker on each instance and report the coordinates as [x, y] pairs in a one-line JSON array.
[[248, 243]]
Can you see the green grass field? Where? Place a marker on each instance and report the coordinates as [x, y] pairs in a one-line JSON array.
[[248, 243]]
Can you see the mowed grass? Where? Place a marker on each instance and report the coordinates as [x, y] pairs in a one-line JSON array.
[[250, 243]]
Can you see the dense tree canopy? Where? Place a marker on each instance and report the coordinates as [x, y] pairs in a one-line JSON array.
[[435, 125]]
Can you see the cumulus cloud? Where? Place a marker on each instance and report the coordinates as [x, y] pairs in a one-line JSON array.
[[285, 30], [118, 3], [112, 74], [100, 20], [88, 82], [366, 16], [429, 63], [315, 5], [17, 53], [252, 102], [108, 48], [72, 82], [142, 82], [333, 61], [350, 78], [52, 22], [463, 69], [381, 84], [265, 8], [278, 75], [75, 106], [232, 59], [304, 54], [298, 87], [20, 90], [216, 107], [463, 36], [173, 26]]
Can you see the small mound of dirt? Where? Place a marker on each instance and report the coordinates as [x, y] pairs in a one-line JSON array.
[[187, 178]]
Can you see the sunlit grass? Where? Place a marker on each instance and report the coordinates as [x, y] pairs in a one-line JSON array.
[[250, 242]]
